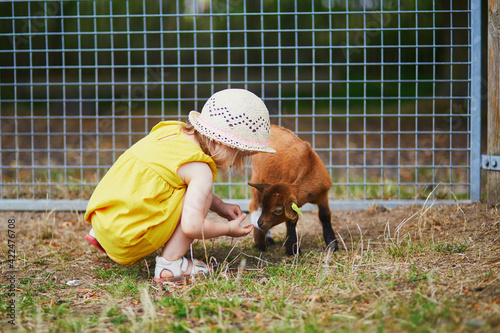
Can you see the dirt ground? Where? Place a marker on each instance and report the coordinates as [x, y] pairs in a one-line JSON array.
[[50, 247]]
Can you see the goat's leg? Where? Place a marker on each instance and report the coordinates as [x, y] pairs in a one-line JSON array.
[[291, 243], [260, 242], [259, 238], [269, 239], [325, 216]]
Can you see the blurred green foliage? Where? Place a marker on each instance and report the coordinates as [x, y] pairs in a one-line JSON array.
[[362, 52]]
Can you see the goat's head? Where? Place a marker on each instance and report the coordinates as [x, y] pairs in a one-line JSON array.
[[279, 204]]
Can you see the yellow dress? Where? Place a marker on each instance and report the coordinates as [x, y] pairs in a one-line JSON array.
[[137, 204]]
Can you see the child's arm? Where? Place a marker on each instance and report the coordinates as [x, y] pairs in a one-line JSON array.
[[197, 201], [225, 210]]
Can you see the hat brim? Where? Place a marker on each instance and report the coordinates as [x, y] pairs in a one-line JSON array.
[[221, 137]]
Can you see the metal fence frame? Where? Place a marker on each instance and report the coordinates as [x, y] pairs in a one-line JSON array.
[[47, 106]]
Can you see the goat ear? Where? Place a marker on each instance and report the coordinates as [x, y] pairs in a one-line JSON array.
[[260, 187], [292, 210]]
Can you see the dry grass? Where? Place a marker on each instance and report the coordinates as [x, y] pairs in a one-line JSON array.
[[412, 269]]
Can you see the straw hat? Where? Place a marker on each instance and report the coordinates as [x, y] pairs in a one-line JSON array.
[[237, 118]]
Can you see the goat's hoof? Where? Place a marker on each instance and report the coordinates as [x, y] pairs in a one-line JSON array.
[[333, 246], [261, 248], [270, 241], [293, 251]]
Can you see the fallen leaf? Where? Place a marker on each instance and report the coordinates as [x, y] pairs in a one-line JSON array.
[[362, 294], [312, 298], [52, 244], [84, 290], [93, 295], [49, 304], [236, 314]]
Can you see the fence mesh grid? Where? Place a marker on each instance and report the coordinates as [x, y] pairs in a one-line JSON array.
[[382, 89]]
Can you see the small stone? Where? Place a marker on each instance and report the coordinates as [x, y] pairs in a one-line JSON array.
[[475, 323], [73, 283]]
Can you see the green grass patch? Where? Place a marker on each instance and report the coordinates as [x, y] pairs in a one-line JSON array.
[[380, 280], [406, 248], [449, 248]]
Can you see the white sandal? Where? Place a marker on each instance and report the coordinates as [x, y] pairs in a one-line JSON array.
[[178, 269]]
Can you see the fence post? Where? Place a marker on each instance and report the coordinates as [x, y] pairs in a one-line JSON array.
[[493, 185]]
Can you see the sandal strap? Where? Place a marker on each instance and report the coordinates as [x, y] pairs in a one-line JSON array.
[[179, 267], [199, 267], [176, 267]]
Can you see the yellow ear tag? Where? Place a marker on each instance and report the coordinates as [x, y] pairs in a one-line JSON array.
[[295, 208]]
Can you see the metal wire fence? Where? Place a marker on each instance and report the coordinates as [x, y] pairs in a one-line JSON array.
[[387, 92]]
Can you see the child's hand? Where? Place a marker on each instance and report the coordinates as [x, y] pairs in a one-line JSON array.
[[229, 211], [235, 230]]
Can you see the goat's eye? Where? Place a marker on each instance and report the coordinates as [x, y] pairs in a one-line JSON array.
[[278, 211]]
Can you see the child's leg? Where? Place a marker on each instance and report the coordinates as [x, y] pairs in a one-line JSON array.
[[175, 248], [173, 252], [177, 245]]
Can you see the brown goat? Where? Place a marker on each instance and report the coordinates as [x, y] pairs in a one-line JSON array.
[[296, 175]]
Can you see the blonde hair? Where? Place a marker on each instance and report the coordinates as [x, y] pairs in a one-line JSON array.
[[225, 157]]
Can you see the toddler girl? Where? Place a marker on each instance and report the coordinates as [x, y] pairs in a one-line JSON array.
[[158, 192]]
